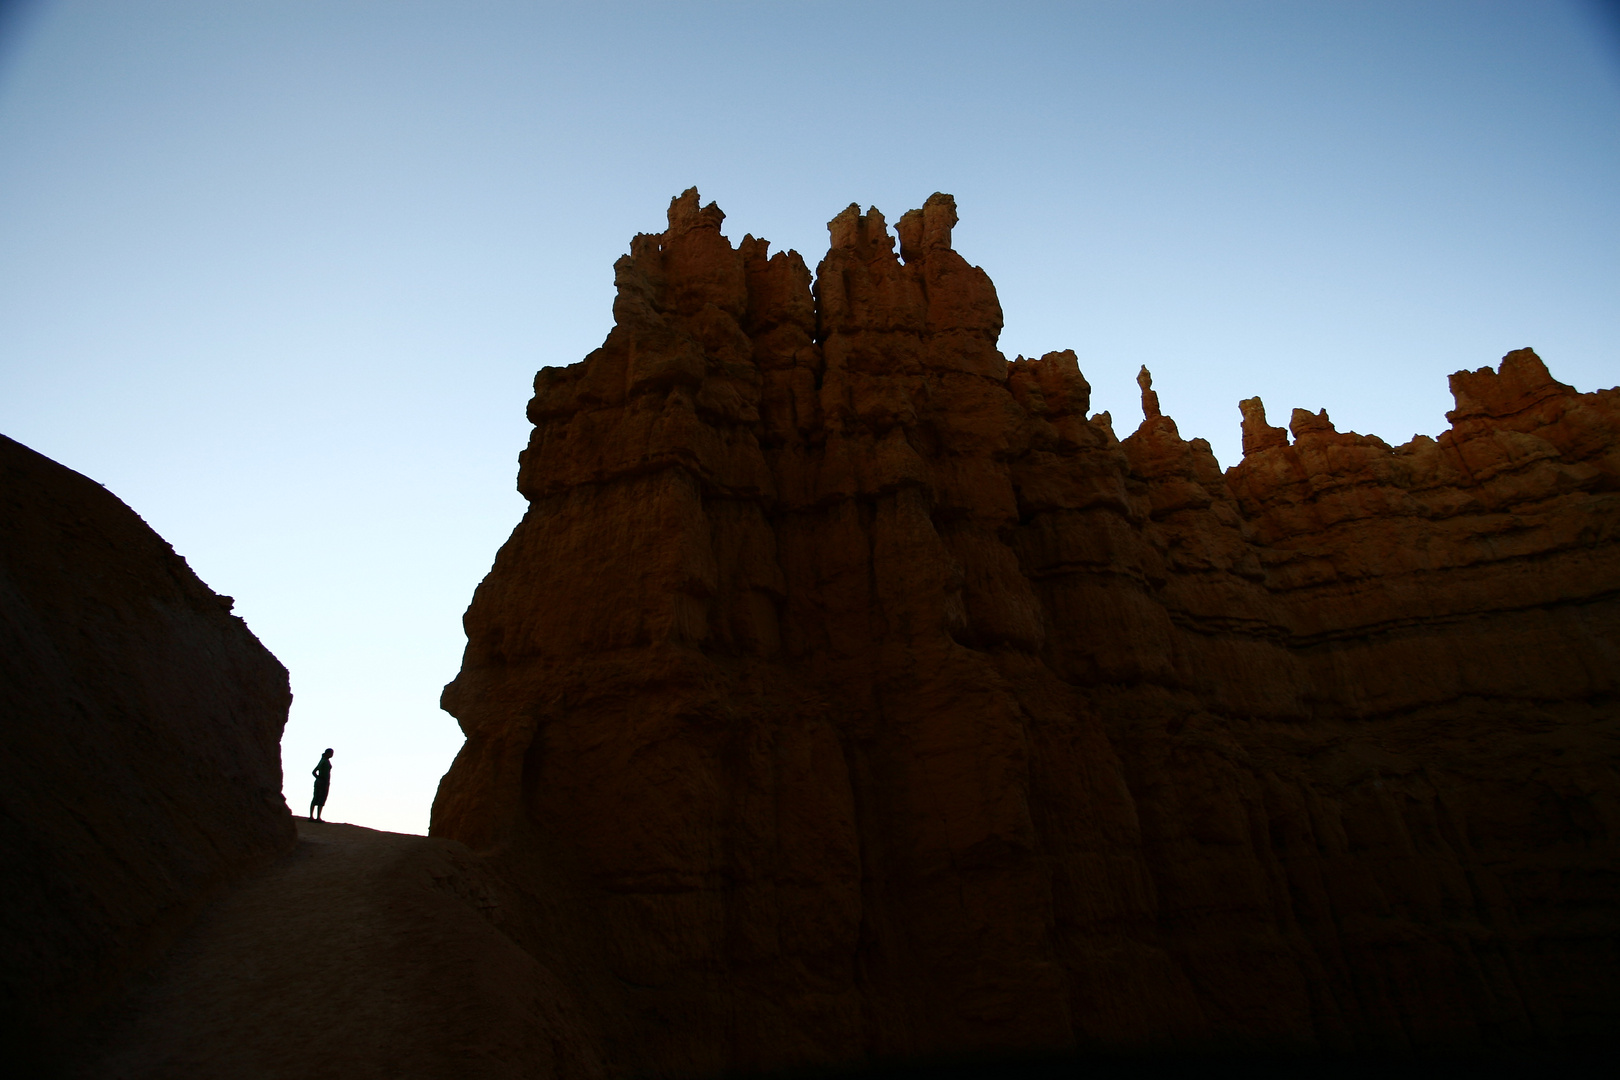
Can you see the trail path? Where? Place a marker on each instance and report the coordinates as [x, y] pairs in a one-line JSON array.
[[359, 954]]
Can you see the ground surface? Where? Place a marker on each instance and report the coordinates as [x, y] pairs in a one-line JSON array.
[[360, 954], [371, 954]]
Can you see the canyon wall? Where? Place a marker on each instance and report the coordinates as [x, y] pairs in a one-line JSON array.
[[140, 757], [849, 693]]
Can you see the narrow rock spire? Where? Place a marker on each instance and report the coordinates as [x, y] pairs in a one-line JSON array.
[[1150, 399]]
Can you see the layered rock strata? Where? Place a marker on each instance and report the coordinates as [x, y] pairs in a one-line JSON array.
[[851, 694], [140, 759]]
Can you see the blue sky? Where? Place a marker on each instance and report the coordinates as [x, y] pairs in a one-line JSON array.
[[280, 274]]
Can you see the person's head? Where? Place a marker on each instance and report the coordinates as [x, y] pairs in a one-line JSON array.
[[328, 752]]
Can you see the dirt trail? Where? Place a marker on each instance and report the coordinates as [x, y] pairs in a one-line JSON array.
[[361, 954]]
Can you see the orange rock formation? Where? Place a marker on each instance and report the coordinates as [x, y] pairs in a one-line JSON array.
[[851, 694]]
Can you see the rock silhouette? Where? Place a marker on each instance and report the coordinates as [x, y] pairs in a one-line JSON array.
[[140, 766], [863, 699]]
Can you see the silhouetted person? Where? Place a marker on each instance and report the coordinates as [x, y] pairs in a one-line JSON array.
[[323, 781]]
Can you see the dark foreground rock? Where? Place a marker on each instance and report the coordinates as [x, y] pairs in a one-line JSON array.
[[360, 955], [140, 765], [855, 696]]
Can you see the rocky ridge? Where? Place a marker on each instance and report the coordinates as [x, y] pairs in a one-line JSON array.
[[850, 693], [140, 764]]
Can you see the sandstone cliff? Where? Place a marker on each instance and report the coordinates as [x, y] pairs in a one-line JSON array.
[[848, 693], [140, 764]]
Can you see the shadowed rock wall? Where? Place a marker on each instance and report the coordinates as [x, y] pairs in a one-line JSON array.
[[140, 762], [857, 696]]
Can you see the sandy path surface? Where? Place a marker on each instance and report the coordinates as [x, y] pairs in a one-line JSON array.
[[360, 954]]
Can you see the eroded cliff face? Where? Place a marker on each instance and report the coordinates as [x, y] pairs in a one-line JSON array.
[[848, 693], [140, 757]]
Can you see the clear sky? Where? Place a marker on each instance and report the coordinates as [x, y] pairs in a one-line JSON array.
[[279, 274]]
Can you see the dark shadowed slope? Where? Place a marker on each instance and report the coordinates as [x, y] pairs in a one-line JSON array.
[[360, 955], [140, 767]]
